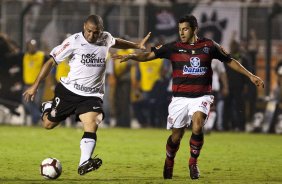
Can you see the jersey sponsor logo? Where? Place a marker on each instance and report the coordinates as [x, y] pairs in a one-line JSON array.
[[62, 49], [80, 87], [195, 68], [182, 50], [91, 60]]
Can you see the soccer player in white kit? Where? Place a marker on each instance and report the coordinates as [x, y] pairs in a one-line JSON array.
[[81, 92]]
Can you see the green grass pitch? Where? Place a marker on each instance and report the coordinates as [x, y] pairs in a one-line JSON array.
[[137, 156]]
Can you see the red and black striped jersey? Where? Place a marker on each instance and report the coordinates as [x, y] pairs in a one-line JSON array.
[[191, 64]]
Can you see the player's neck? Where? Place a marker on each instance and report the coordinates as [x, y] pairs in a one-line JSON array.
[[193, 40]]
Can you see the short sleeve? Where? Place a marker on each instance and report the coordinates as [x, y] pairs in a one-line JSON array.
[[63, 51], [111, 41], [219, 53], [163, 52], [106, 40]]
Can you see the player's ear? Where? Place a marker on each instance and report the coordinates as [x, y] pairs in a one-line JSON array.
[[196, 30], [84, 26]]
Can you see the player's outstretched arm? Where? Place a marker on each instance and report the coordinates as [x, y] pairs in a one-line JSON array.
[[126, 44], [30, 93], [235, 65], [141, 57]]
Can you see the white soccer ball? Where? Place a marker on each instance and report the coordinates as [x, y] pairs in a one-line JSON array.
[[50, 168]]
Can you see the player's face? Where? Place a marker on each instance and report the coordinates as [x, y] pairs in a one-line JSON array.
[[91, 32], [186, 33]]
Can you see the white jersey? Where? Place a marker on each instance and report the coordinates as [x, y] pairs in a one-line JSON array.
[[87, 63]]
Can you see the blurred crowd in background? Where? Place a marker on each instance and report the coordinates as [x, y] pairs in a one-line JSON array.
[[137, 94]]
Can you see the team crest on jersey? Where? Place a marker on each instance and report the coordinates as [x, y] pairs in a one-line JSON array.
[[195, 68], [206, 50], [195, 62], [103, 40], [76, 36]]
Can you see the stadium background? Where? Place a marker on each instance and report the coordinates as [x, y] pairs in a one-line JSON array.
[[136, 155], [38, 19]]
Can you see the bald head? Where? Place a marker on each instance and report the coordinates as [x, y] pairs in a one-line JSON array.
[[96, 20]]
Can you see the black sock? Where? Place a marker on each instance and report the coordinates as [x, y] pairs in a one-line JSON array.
[[171, 148], [196, 143]]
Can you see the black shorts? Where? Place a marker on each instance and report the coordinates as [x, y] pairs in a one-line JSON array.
[[66, 103]]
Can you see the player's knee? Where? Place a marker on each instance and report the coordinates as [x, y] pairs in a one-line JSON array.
[[199, 119], [177, 135], [176, 139]]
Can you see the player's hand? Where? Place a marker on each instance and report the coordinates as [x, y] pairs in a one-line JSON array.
[[158, 47], [30, 93], [257, 81], [141, 45]]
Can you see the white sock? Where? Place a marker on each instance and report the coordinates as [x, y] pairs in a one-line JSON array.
[[87, 147]]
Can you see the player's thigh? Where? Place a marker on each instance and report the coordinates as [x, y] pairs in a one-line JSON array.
[[63, 104], [90, 112], [199, 118], [200, 108], [90, 121]]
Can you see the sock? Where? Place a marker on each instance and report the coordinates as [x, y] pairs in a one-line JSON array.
[[196, 143], [87, 146], [171, 150]]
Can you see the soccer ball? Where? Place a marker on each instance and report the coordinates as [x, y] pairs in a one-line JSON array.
[[50, 168]]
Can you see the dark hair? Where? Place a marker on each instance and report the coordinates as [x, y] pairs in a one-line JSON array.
[[97, 20], [191, 19]]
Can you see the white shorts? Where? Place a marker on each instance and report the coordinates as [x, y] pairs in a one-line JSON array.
[[181, 110]]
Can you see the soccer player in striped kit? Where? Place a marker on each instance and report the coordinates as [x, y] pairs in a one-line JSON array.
[[191, 59]]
